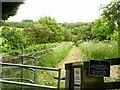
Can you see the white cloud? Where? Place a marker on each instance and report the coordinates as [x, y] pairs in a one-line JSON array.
[[61, 10]]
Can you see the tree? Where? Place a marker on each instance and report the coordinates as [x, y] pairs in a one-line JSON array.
[[79, 30], [111, 12], [67, 34], [100, 30], [45, 30], [13, 37], [9, 9], [37, 34], [57, 30]]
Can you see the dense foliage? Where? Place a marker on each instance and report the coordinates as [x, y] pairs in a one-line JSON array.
[[45, 30], [57, 31], [78, 31], [9, 9], [12, 38], [101, 31], [111, 13]]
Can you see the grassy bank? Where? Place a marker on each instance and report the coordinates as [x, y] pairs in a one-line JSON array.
[[53, 57], [99, 50]]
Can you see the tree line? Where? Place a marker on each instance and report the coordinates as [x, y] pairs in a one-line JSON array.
[[48, 30]]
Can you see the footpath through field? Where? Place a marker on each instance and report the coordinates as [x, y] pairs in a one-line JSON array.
[[74, 56]]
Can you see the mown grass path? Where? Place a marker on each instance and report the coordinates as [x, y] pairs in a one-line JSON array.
[[74, 56]]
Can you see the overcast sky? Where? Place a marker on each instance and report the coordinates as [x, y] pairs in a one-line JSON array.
[[61, 10]]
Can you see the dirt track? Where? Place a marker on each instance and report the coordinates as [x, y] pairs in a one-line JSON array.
[[72, 57]]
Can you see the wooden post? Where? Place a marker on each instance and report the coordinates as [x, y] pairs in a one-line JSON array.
[[77, 76], [0, 55], [68, 83], [118, 23], [91, 82]]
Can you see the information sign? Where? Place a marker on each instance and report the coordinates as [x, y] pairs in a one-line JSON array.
[[77, 76], [99, 68]]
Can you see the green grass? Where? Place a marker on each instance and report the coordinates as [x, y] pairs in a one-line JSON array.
[[48, 59], [99, 50], [53, 57]]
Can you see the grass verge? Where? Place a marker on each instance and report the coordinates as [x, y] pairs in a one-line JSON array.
[[99, 50]]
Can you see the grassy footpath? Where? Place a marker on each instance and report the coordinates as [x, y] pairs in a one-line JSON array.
[[99, 50]]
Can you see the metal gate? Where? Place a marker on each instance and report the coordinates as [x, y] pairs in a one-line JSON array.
[[32, 83]]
